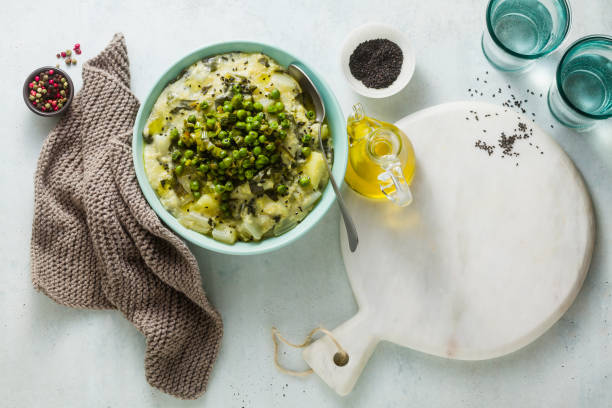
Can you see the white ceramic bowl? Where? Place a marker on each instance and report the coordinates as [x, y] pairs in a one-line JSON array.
[[373, 31]]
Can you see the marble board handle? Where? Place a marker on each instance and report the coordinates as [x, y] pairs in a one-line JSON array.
[[357, 338]]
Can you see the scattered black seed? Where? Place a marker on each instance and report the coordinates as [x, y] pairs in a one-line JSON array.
[[551, 126], [484, 146], [377, 63]]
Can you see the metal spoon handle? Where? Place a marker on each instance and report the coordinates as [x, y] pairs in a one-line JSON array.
[[351, 231]]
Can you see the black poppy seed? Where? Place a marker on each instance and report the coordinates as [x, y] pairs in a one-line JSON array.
[[377, 63]]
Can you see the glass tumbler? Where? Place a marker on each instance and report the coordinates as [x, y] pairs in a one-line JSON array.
[[581, 93], [520, 31]]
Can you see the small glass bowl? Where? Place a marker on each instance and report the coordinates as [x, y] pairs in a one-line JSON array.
[[26, 92]]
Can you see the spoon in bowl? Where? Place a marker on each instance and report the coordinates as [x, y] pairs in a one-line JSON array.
[[300, 76]]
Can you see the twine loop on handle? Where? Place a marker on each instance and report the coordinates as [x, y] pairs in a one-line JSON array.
[[341, 358]]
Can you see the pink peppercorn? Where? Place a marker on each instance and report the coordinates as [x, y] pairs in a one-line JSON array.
[[51, 72], [37, 78], [77, 46], [31, 85], [78, 51], [51, 81], [63, 54]]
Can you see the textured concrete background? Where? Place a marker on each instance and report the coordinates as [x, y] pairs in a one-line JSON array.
[[57, 357]]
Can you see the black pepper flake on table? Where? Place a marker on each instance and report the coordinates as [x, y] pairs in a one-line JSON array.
[[376, 63]]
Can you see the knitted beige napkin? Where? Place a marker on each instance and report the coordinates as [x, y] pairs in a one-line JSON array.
[[96, 243]]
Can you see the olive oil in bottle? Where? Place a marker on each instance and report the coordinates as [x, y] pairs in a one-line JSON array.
[[381, 159]]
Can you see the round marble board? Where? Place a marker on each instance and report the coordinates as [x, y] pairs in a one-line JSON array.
[[492, 251]]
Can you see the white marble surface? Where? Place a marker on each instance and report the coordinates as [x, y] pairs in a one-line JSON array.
[[490, 254], [56, 357]]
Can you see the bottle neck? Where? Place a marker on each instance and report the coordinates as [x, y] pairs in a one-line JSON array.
[[384, 147]]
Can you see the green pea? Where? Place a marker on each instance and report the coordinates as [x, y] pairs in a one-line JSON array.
[[235, 154], [174, 134], [249, 174], [306, 151], [203, 105], [222, 153], [246, 164], [274, 158], [227, 142], [219, 188], [176, 155], [262, 159], [275, 94], [282, 116], [236, 100], [240, 125], [194, 185], [241, 114], [196, 194], [249, 119], [255, 125], [257, 106], [195, 161], [222, 134], [260, 116], [210, 123], [281, 189], [228, 161], [271, 108], [285, 124], [180, 143], [282, 134], [270, 147], [249, 126], [249, 139], [310, 115], [306, 138], [273, 125], [183, 160], [243, 152], [236, 88], [178, 170], [204, 168], [227, 107], [262, 139], [257, 150], [304, 181], [279, 106], [229, 186], [191, 119], [188, 154], [248, 105]]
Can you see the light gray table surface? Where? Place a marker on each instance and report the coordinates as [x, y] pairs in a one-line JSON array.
[[53, 356]]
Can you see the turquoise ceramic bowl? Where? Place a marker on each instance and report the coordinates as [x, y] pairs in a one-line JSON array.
[[335, 119]]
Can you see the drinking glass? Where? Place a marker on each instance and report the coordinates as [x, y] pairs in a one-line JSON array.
[[581, 93], [520, 31]]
